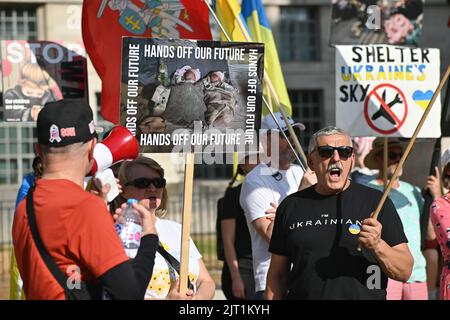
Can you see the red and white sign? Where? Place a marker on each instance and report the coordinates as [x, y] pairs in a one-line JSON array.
[[385, 109]]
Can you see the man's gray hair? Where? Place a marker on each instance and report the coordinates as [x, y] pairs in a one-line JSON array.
[[327, 131]]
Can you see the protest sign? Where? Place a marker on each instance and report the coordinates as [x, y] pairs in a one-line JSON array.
[[191, 96], [383, 90], [37, 72], [376, 22]]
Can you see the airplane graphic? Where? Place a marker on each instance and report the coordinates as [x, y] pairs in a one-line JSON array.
[[383, 112]]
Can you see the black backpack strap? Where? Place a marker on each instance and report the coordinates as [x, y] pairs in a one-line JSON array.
[[50, 263], [173, 262], [219, 239]]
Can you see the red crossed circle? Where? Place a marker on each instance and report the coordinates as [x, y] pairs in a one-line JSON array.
[[384, 105]]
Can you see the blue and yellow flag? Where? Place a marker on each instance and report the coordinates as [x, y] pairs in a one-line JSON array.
[[250, 18], [255, 16], [228, 12]]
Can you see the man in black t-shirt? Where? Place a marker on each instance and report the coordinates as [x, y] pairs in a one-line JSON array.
[[237, 273], [317, 232], [235, 243]]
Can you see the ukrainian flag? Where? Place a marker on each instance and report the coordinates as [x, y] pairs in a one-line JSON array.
[[228, 12], [251, 17]]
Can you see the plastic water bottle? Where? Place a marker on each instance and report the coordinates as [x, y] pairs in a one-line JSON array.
[[129, 227]]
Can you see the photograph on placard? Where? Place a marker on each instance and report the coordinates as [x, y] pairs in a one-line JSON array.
[[37, 72], [183, 95], [376, 22]]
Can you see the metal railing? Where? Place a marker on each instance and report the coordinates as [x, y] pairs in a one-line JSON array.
[[6, 218]]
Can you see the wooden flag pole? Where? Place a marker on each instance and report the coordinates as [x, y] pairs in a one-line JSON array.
[[186, 223], [409, 147], [270, 89], [297, 147], [410, 144], [385, 161]]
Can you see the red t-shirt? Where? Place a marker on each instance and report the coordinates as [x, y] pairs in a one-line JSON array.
[[76, 229]]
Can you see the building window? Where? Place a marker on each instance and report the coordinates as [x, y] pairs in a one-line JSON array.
[[18, 23], [16, 139], [307, 107], [223, 170], [16, 151], [299, 34], [106, 125]]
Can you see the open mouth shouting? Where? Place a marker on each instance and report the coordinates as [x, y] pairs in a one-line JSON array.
[[335, 171]]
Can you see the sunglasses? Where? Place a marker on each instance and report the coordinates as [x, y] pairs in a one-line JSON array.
[[144, 183], [327, 151], [392, 156]]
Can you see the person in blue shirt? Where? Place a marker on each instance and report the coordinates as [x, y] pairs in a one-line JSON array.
[[408, 201], [15, 287]]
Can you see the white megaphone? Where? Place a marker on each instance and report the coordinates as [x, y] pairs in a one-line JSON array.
[[119, 145]]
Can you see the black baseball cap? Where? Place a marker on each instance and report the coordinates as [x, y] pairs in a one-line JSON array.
[[64, 122]]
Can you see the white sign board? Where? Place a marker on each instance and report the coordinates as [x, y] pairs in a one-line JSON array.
[[383, 90]]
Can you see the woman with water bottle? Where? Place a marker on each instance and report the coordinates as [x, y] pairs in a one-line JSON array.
[[143, 179]]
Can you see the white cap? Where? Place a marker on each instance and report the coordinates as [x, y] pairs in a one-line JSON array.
[[252, 154], [184, 69], [269, 124], [445, 158]]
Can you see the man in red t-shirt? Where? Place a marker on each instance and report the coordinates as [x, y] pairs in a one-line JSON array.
[[74, 225]]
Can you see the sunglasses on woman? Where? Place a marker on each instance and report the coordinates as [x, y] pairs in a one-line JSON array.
[[327, 151], [144, 183], [394, 156]]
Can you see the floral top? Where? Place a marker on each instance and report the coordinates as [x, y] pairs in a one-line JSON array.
[[169, 233], [440, 218]]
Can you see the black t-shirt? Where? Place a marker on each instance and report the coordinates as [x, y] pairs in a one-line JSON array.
[[312, 230], [233, 210]]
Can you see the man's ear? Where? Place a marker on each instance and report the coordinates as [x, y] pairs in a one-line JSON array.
[[93, 142], [38, 149], [310, 163]]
